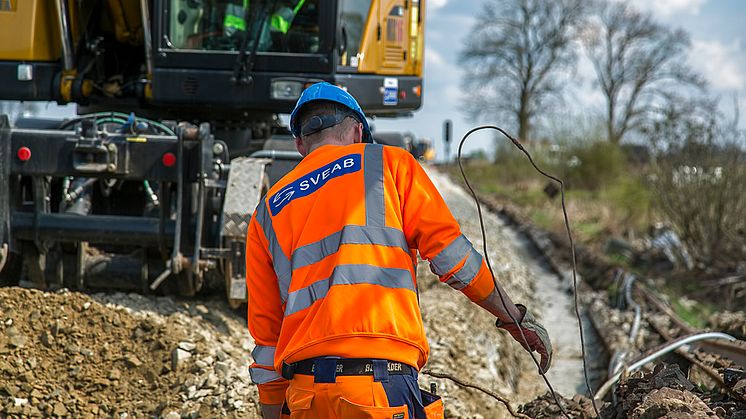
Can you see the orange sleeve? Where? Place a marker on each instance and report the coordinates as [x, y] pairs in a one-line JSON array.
[[431, 228], [265, 315]]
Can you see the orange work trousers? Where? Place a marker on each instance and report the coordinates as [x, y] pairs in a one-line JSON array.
[[357, 397]]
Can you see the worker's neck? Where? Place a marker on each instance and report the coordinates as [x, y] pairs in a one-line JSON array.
[[322, 143]]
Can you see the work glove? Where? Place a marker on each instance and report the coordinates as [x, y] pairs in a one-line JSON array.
[[536, 336]]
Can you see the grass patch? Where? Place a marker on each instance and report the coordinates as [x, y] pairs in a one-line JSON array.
[[605, 196], [695, 314]]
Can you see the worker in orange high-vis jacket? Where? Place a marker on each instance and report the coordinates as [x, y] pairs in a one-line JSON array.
[[331, 255]]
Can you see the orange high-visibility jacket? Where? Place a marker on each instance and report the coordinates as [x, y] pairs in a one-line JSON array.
[[331, 257]]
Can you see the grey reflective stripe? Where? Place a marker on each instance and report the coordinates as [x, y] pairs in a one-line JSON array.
[[280, 261], [349, 275], [374, 200], [468, 272], [351, 234], [264, 355], [449, 257], [261, 376]]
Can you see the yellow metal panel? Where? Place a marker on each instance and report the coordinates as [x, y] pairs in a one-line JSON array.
[[393, 41], [368, 62], [127, 21], [28, 31], [416, 38]]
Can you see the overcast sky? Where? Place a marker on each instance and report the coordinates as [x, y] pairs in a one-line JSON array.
[[718, 34]]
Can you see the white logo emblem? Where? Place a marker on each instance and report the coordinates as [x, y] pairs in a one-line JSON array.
[[283, 196]]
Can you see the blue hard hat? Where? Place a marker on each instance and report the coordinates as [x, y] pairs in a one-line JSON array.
[[328, 92]]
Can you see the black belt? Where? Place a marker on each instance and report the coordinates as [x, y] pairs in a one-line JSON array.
[[346, 366]]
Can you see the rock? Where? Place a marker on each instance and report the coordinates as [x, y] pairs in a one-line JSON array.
[[114, 375], [172, 415], [187, 346], [199, 394], [47, 339], [56, 328], [221, 356], [237, 404], [86, 305], [211, 382], [72, 349], [17, 341], [17, 402], [201, 309], [740, 388], [222, 368], [671, 403], [59, 409], [178, 357], [132, 361], [9, 322], [10, 389]]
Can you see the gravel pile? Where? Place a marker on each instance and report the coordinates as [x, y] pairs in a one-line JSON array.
[[121, 355], [545, 407]]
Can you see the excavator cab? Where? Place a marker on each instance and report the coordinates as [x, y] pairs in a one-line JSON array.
[[261, 54], [211, 59]]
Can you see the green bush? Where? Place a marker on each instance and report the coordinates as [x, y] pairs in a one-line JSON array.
[[592, 166], [632, 198]]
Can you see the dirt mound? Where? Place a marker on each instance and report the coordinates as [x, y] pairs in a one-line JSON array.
[[546, 407], [667, 393], [66, 354]]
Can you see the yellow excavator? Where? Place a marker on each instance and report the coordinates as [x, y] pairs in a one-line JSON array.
[[178, 132]]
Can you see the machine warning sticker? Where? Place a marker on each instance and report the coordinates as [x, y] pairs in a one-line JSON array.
[[310, 183], [390, 91]]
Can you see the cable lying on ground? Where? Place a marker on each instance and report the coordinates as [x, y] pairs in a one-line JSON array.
[[463, 383]]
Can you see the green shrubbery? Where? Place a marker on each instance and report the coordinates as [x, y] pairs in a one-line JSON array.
[[592, 166], [606, 194]]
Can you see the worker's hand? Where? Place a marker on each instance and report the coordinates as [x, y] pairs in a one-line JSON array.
[[535, 334]]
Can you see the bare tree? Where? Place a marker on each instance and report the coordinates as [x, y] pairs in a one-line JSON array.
[[513, 57], [639, 64]]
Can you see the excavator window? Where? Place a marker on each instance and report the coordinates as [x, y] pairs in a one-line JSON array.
[[353, 15], [221, 25]]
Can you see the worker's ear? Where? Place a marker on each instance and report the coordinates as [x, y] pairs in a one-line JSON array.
[[301, 146], [358, 133]]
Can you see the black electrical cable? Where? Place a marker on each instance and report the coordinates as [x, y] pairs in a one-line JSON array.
[[572, 248]]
